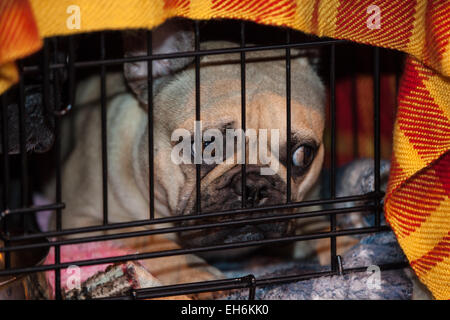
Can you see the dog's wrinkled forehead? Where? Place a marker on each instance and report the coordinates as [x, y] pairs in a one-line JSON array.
[[266, 71], [174, 80], [220, 84]]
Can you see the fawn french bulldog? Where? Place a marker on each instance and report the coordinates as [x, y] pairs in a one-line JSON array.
[[174, 93]]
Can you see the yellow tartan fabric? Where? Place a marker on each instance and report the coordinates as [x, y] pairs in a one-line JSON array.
[[418, 197]]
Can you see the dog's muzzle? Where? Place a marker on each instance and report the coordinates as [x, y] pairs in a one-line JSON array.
[[225, 193]]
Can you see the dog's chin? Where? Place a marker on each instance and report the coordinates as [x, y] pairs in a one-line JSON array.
[[225, 194], [234, 235]]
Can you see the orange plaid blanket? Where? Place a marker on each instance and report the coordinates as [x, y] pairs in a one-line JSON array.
[[417, 203]]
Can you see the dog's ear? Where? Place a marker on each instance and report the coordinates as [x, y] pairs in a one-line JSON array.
[[172, 36]]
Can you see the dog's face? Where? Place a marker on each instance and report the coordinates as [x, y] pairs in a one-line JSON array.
[[220, 99]]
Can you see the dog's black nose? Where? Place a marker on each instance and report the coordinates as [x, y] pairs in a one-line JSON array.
[[256, 190], [254, 195]]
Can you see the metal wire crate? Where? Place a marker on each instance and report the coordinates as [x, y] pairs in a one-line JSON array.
[[373, 200]]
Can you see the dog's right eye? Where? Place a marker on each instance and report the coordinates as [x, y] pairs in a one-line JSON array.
[[303, 156]]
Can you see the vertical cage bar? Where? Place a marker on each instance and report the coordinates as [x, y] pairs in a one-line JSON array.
[[104, 129], [5, 152], [6, 181], [24, 185], [354, 106], [56, 112], [243, 120], [5, 148], [252, 287], [333, 120], [150, 125], [376, 128], [57, 146], [71, 74], [288, 118], [333, 150], [197, 115]]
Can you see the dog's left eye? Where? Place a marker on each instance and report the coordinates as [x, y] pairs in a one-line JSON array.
[[303, 156]]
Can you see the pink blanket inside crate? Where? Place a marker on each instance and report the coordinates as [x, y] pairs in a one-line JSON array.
[[76, 252], [84, 251]]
